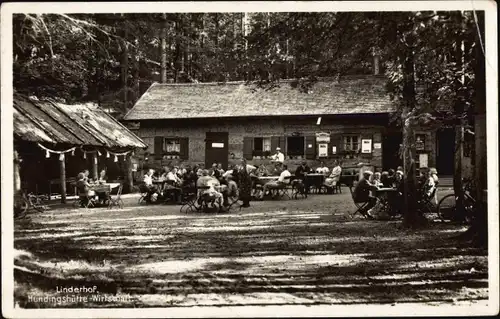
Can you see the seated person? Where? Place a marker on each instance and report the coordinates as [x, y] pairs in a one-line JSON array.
[[433, 174], [181, 171], [262, 171], [228, 172], [334, 178], [384, 179], [322, 169], [428, 187], [302, 170], [84, 191], [220, 169], [148, 183], [232, 191], [362, 193], [391, 178], [102, 177], [282, 181], [86, 175], [173, 178], [206, 185]]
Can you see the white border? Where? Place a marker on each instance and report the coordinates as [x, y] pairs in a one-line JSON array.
[[490, 42]]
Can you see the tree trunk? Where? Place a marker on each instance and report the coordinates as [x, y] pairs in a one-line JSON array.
[[62, 166], [479, 227], [124, 65], [163, 48], [130, 175], [411, 218], [459, 128]]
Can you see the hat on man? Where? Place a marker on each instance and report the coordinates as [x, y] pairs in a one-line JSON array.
[[278, 149]]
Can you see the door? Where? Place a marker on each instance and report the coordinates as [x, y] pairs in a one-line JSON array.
[[390, 150], [445, 149], [216, 148]]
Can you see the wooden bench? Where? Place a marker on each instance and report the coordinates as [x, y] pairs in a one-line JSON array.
[[70, 181]]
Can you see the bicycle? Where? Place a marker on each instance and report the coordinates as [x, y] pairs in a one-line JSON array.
[[447, 207], [26, 202]]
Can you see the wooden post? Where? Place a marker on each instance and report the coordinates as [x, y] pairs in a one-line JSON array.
[[95, 168], [63, 178], [130, 175], [17, 176]]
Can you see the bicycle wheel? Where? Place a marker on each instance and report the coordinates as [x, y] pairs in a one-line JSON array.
[[21, 208], [446, 207]]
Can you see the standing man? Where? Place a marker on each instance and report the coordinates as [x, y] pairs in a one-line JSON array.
[[245, 184]]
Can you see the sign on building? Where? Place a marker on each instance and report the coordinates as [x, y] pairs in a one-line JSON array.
[[322, 137], [366, 146], [322, 150]]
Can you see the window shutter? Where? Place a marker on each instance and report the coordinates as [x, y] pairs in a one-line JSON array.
[[158, 146], [248, 147], [335, 140], [184, 154], [275, 142], [310, 151], [281, 144]]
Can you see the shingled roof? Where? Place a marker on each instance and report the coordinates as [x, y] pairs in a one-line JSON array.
[[49, 121], [348, 95]]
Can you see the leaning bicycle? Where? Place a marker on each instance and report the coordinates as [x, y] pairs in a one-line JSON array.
[[26, 202], [447, 206]]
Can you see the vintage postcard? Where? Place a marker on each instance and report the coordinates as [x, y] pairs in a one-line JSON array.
[[249, 159]]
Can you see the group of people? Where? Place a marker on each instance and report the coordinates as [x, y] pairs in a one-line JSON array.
[[84, 187], [367, 187], [214, 182]]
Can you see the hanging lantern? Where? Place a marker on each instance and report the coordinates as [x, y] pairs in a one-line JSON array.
[[107, 154], [116, 158], [84, 154], [125, 157], [61, 157], [95, 160], [47, 154], [98, 153], [73, 152]]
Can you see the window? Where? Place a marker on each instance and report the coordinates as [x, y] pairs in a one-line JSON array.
[[172, 146], [295, 145], [351, 143], [261, 146]]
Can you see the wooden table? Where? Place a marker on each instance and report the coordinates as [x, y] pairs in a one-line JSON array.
[[314, 179], [262, 180]]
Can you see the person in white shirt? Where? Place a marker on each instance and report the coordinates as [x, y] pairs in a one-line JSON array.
[[334, 177], [278, 157], [282, 181], [322, 169], [172, 176]]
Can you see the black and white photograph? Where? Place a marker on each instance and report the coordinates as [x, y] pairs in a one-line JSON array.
[[249, 159]]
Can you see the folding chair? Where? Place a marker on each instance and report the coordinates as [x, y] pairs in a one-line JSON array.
[[298, 188], [84, 200], [116, 201], [425, 204], [360, 205], [189, 200], [144, 194]]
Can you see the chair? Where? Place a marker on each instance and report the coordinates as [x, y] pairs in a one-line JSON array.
[[189, 200], [144, 194], [282, 189], [298, 188], [359, 205], [425, 204], [116, 201]]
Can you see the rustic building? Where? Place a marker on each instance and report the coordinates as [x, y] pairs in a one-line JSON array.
[[346, 119], [84, 129]]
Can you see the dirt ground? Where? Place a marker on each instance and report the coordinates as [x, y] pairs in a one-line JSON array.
[[287, 252]]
